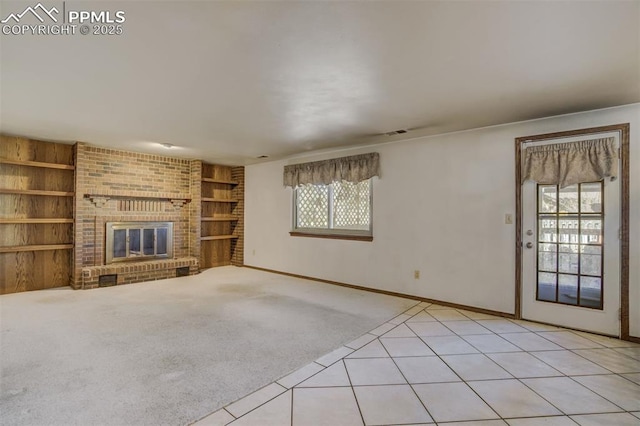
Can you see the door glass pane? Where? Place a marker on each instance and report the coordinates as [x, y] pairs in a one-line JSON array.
[[134, 242], [119, 243], [591, 260], [568, 199], [148, 242], [547, 257], [547, 198], [568, 289], [547, 231], [591, 292], [161, 243], [568, 258], [546, 286], [591, 230], [568, 230], [591, 197]]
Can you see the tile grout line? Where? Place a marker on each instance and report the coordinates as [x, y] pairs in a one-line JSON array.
[[541, 360], [456, 373], [564, 375], [535, 334], [257, 406], [292, 388], [291, 411], [441, 322], [385, 349], [628, 379], [602, 349], [599, 394], [353, 391], [342, 360], [513, 377], [234, 417], [460, 377], [540, 396], [539, 333], [406, 380]]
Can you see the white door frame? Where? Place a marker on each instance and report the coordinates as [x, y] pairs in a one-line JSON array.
[[623, 129]]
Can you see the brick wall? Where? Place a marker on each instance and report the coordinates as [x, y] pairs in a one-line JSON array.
[[195, 207], [114, 186]]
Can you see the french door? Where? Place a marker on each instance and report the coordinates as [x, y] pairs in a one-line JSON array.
[[571, 253]]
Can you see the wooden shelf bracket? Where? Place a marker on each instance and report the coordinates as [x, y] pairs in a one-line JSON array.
[[99, 201]]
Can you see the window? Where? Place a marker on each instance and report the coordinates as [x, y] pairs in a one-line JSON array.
[[571, 244], [332, 198], [338, 210]]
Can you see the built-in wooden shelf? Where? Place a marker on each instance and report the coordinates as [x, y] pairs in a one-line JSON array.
[[220, 219], [220, 200], [36, 192], [38, 220], [37, 164], [221, 215], [37, 247], [34, 254], [222, 181], [219, 237]]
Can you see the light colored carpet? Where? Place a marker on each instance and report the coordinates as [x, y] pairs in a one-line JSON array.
[[168, 352]]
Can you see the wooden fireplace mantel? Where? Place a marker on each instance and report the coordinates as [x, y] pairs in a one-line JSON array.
[[101, 199]]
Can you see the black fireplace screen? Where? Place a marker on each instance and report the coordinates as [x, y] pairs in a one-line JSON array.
[[128, 241]]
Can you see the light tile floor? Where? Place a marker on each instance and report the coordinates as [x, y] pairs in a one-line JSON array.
[[438, 365]]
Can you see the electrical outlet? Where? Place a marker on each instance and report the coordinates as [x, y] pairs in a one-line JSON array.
[[416, 274], [508, 219]]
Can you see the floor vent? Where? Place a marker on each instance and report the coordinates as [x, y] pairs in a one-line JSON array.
[[107, 280], [182, 272]]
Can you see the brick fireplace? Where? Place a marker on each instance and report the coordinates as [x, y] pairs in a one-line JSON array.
[[114, 186]]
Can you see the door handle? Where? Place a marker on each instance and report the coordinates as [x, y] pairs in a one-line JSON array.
[[529, 245]]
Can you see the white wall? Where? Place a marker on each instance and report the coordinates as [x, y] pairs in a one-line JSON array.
[[438, 207]]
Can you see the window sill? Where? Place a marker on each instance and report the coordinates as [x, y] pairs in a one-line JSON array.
[[332, 236]]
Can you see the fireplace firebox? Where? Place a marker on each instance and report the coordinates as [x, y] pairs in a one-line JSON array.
[[136, 241]]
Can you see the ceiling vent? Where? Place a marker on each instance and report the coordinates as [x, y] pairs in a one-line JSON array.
[[396, 132]]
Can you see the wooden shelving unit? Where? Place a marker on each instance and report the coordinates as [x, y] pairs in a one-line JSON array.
[[219, 237], [36, 214], [221, 181], [35, 247], [37, 220], [36, 192], [219, 218], [218, 200], [37, 164]]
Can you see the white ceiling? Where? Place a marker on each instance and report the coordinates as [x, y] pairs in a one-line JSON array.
[[230, 81]]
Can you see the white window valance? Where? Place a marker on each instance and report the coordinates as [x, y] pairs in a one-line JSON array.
[[355, 168], [569, 163]]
